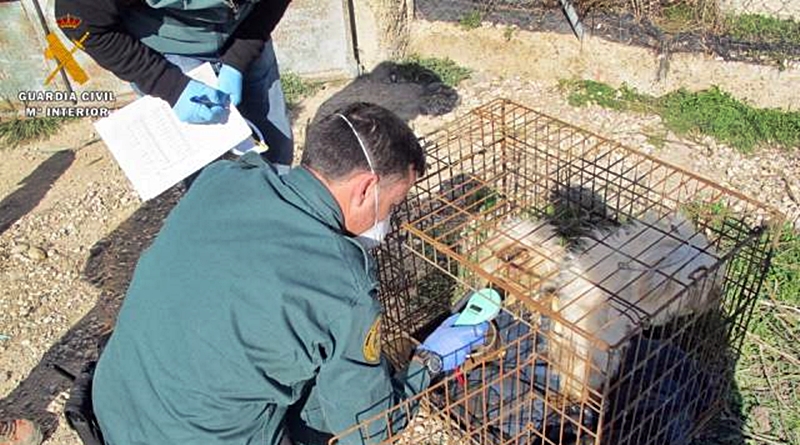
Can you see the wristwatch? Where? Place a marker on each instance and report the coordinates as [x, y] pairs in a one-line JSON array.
[[430, 359]]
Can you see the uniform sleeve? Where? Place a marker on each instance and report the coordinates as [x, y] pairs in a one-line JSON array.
[[248, 39], [356, 387], [119, 52]]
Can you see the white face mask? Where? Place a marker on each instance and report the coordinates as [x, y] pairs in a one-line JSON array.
[[374, 236]]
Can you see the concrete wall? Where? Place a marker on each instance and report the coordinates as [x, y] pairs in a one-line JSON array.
[[18, 65], [314, 39]]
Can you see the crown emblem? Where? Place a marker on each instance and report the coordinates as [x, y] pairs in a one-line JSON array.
[[68, 22]]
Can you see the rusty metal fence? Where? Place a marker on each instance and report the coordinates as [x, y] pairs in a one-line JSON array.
[[627, 287], [761, 31]]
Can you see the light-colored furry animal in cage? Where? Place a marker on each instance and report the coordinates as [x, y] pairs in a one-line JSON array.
[[622, 280], [521, 254]]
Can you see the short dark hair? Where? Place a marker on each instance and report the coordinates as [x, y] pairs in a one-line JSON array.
[[333, 151]]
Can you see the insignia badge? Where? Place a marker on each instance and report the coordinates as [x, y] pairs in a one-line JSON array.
[[68, 22], [372, 343], [57, 51]]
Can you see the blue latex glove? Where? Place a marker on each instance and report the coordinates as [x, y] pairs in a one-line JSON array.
[[454, 343], [201, 104], [229, 81]]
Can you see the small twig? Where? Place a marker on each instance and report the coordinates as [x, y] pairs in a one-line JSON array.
[[78, 148], [788, 187], [779, 305], [773, 389], [92, 141], [787, 330], [761, 437], [788, 357]]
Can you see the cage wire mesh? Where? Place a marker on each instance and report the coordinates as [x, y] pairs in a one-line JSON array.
[[760, 31], [627, 286]]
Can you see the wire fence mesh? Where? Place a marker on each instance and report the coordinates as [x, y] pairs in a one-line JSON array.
[[761, 31], [627, 287]]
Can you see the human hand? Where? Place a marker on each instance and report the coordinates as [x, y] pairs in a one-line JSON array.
[[230, 81], [454, 343], [201, 104]]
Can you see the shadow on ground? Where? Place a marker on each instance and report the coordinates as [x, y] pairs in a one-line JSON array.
[[109, 267], [727, 427], [34, 187]]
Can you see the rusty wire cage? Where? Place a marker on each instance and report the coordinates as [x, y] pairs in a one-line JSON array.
[[628, 285]]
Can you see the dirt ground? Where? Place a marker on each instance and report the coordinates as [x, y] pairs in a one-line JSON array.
[[71, 228]]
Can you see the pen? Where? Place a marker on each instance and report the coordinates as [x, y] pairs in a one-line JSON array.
[[203, 100]]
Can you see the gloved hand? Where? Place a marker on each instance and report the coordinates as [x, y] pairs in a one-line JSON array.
[[454, 343], [201, 104], [230, 81]]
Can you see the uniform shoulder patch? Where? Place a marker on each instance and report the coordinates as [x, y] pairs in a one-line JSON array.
[[372, 343]]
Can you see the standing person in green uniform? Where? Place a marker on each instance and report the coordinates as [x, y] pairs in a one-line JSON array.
[[260, 290], [144, 41]]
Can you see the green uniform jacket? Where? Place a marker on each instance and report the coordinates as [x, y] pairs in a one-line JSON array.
[[250, 294], [190, 28]]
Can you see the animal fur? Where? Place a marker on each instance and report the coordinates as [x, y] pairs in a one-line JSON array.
[[621, 281], [522, 253]]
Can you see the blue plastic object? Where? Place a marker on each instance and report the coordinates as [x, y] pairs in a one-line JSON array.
[[201, 104], [454, 343], [483, 305], [229, 81]]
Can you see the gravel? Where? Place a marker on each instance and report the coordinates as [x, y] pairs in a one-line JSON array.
[[43, 295]]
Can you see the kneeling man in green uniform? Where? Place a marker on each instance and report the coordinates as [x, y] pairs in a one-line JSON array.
[[259, 291]]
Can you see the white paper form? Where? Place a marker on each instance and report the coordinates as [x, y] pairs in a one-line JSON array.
[[156, 150]]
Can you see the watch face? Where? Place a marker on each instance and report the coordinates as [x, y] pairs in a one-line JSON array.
[[432, 361]]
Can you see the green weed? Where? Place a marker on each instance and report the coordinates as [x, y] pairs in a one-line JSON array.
[[471, 20], [717, 113], [295, 88], [760, 28], [711, 112], [509, 32], [656, 141], [657, 138], [783, 279], [448, 71], [18, 130], [679, 17], [587, 92]]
